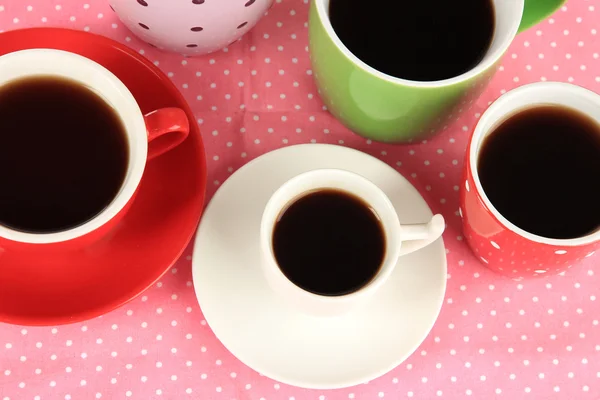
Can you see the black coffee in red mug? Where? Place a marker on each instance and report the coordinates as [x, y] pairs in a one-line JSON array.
[[550, 156]]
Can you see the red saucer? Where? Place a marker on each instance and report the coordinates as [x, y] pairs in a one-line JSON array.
[[42, 288]]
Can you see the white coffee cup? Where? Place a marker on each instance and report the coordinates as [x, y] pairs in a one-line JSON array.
[[140, 129], [400, 239]]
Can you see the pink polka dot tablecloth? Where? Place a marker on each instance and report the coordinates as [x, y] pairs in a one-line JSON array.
[[495, 338]]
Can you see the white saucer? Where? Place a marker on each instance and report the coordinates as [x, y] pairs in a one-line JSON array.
[[274, 339]]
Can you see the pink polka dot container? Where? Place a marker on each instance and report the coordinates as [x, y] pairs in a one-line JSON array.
[[190, 27]]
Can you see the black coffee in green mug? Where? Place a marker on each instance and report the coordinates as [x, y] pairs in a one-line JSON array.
[[423, 40], [400, 71]]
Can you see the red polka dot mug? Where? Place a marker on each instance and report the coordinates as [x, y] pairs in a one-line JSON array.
[[499, 243]]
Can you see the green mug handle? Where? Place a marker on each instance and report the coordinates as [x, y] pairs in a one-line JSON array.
[[537, 10]]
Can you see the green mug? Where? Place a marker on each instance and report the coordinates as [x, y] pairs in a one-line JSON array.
[[388, 109]]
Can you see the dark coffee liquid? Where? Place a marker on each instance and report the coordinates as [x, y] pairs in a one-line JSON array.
[[541, 171], [419, 40], [63, 154], [329, 242]]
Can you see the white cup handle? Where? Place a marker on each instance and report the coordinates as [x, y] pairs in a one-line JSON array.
[[417, 236]]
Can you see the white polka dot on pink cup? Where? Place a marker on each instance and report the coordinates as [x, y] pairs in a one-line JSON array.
[[190, 27]]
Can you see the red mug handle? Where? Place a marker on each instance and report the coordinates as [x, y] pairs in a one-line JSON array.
[[167, 128]]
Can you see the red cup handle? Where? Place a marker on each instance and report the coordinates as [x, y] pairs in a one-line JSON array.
[[167, 128]]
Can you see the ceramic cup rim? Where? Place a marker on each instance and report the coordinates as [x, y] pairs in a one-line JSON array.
[[495, 115], [388, 216], [67, 65], [484, 65]]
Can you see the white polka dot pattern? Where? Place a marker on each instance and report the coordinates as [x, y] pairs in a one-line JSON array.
[[509, 253], [495, 338]]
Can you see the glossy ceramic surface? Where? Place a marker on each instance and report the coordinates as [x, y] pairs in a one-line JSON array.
[[500, 245], [388, 109], [141, 134], [495, 339], [275, 339], [400, 239], [51, 284], [191, 27]]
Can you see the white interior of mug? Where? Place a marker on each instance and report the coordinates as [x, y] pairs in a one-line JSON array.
[[527, 96], [508, 15], [330, 179], [61, 64]]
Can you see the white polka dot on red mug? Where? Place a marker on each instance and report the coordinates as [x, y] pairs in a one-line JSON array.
[[536, 237], [190, 27]]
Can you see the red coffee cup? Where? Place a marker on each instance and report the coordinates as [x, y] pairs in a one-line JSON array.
[[147, 136], [499, 244]]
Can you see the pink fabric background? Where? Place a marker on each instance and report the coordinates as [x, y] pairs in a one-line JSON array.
[[495, 338]]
